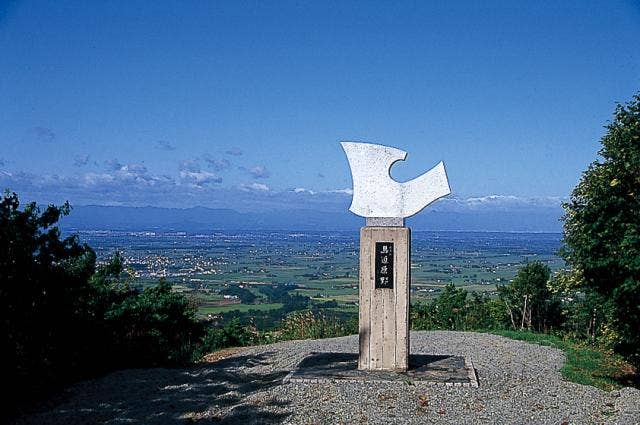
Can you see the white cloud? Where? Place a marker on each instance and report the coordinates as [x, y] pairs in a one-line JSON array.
[[498, 202], [345, 191], [217, 164], [189, 165], [94, 179], [199, 178], [259, 172], [254, 187], [303, 190], [191, 174], [112, 164], [135, 185]]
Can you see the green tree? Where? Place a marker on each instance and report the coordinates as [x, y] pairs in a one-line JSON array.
[[529, 302], [63, 320], [232, 334], [151, 328], [483, 313], [447, 311], [602, 228], [449, 308], [584, 313], [43, 286]]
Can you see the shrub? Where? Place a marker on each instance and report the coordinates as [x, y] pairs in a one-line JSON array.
[[43, 286], [62, 320], [314, 325], [153, 327]]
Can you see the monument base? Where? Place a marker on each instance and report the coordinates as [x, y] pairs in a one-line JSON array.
[[385, 277], [447, 370]]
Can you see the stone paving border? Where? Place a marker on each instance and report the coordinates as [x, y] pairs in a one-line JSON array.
[[308, 375]]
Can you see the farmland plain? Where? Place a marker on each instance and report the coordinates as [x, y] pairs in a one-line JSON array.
[[223, 272]]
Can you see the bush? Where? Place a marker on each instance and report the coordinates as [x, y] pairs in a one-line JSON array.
[[454, 310], [62, 320], [43, 289], [314, 325], [154, 327], [232, 334], [485, 313]]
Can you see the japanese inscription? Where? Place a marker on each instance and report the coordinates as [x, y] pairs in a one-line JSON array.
[[384, 265]]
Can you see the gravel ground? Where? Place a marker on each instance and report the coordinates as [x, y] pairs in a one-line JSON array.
[[519, 383]]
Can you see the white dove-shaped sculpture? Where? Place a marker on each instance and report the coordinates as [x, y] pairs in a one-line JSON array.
[[377, 195]]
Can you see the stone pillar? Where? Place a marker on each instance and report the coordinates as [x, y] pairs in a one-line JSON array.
[[385, 276]]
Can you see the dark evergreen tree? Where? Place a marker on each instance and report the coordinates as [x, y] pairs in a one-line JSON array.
[[62, 320], [43, 289]]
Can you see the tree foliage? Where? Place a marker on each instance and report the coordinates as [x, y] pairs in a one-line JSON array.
[[62, 318], [454, 309], [232, 334], [42, 289], [150, 328], [602, 227], [529, 301]]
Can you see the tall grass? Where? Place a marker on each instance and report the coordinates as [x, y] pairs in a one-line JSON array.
[[314, 325]]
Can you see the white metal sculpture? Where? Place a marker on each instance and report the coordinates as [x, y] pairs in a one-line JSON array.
[[377, 195]]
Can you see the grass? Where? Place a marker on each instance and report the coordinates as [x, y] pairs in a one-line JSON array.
[[585, 364]]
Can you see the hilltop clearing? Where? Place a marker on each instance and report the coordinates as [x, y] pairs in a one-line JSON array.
[[519, 383]]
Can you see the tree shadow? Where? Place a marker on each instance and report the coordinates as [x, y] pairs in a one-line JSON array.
[[223, 392]]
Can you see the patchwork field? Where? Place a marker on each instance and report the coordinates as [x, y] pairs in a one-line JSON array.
[[215, 269]]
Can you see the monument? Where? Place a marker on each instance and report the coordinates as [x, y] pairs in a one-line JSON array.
[[385, 249], [385, 278]]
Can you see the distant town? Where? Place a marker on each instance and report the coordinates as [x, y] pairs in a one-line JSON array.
[[227, 273]]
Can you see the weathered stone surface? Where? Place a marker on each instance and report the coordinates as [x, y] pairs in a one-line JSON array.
[[385, 222], [376, 194], [384, 312]]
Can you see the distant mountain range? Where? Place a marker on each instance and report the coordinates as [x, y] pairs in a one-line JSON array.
[[201, 219]]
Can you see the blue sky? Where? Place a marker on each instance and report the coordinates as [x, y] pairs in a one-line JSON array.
[[238, 104]]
